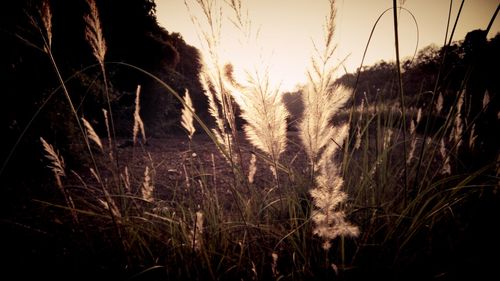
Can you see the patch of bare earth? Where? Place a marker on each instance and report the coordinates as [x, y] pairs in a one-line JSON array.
[[179, 166]]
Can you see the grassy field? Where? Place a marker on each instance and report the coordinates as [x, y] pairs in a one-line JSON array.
[[368, 195]]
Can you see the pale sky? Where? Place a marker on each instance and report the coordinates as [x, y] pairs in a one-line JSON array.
[[286, 28]]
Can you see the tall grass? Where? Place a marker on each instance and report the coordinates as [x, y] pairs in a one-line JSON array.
[[223, 220]]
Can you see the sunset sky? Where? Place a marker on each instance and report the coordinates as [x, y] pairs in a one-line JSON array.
[[286, 28]]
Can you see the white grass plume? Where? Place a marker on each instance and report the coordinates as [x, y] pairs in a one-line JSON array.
[[92, 135], [439, 103], [457, 130], [187, 115], [446, 169], [93, 33], [315, 129], [252, 169], [388, 133], [147, 186], [357, 143], [46, 16], [486, 99], [221, 131], [56, 161], [322, 141], [264, 112], [42, 22], [328, 217], [326, 161], [413, 135], [196, 233], [58, 169], [56, 165], [274, 265], [110, 205], [138, 124]]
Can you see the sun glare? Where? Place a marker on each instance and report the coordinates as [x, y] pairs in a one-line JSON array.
[[282, 32], [261, 43]]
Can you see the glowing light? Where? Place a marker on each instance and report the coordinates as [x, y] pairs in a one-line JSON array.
[[287, 27]]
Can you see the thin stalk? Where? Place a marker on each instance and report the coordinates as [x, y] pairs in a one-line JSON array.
[[401, 94]]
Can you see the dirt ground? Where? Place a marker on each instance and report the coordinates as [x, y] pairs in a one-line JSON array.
[[171, 159]]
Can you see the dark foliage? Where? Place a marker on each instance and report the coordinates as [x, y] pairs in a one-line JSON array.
[[33, 101], [132, 36], [467, 67]]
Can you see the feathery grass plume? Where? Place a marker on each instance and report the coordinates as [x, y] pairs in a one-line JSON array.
[[320, 105], [274, 265], [329, 221], [108, 203], [93, 33], [111, 207], [413, 135], [321, 100], [486, 99], [446, 169], [211, 36], [147, 186], [241, 20], [322, 140], [273, 170], [439, 103], [219, 97], [211, 29], [326, 161], [472, 136], [220, 131], [95, 175], [388, 132], [58, 169], [187, 115], [252, 169], [92, 135], [413, 143], [196, 234], [138, 124], [264, 112], [43, 24], [357, 142], [95, 37], [457, 130], [46, 16], [56, 161]]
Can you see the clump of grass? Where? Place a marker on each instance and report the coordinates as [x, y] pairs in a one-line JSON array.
[[322, 141]]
